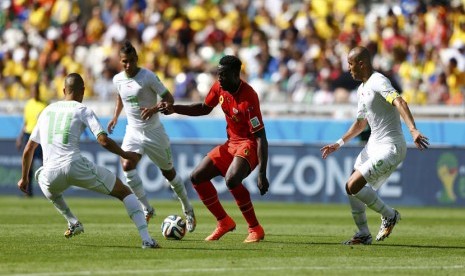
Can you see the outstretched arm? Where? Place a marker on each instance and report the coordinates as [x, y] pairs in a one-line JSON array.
[[147, 112], [111, 146], [419, 139], [196, 109], [357, 127]]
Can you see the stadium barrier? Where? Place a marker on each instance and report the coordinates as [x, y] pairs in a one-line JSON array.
[[296, 172]]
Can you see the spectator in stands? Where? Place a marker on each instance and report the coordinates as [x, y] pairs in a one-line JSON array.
[[32, 110]]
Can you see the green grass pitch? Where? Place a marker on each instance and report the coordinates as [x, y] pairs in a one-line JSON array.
[[301, 239]]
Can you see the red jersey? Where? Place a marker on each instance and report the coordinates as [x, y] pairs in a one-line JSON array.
[[242, 110]]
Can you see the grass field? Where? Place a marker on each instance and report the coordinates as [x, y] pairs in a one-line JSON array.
[[301, 239]]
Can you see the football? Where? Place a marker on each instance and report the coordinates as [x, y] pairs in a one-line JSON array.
[[173, 227]]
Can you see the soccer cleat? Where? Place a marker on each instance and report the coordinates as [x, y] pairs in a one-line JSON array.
[[190, 220], [359, 239], [223, 226], [149, 213], [74, 229], [256, 234], [150, 244], [387, 224]]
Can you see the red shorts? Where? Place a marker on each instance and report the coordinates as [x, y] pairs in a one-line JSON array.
[[223, 155]]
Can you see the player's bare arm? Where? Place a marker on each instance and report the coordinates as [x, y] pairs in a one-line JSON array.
[[147, 112], [118, 107], [196, 109], [262, 152], [26, 165], [355, 129], [421, 141], [113, 147]]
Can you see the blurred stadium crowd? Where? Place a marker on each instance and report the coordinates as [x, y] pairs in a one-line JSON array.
[[293, 51]]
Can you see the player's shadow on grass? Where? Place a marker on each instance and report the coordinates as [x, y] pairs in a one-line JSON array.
[[205, 246], [373, 244]]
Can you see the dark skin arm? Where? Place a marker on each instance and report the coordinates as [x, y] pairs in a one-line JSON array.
[[147, 112], [196, 109], [262, 152]]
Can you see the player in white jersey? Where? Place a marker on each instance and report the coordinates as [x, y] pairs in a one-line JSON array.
[[380, 106], [138, 92], [58, 131]]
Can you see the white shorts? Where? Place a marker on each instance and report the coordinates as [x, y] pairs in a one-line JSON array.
[[377, 162], [153, 142], [81, 173]]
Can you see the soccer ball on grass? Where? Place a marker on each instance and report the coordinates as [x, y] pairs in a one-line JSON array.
[[173, 227]]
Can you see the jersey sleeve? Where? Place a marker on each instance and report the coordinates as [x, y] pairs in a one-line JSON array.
[[384, 87], [115, 84], [35, 134], [212, 98], [156, 85], [89, 118], [254, 113]]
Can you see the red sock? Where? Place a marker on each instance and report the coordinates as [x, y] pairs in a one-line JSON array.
[[242, 197], [207, 193]]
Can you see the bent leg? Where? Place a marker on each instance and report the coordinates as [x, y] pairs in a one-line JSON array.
[[134, 182], [178, 187], [135, 212], [200, 178], [236, 173], [357, 187]]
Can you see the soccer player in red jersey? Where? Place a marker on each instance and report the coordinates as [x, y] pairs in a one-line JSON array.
[[245, 149]]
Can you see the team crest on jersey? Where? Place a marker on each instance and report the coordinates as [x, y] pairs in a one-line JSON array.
[[246, 152], [221, 99], [255, 122]]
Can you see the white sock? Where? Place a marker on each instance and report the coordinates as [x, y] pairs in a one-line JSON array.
[[63, 208], [359, 215], [135, 183], [368, 196], [137, 215], [178, 187]]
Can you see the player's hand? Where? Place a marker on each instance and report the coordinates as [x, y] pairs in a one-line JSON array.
[[263, 184], [147, 113], [166, 108], [420, 140], [22, 185], [111, 125], [328, 149]]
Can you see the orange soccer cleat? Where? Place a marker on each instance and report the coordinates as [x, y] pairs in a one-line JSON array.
[[223, 226], [256, 234]]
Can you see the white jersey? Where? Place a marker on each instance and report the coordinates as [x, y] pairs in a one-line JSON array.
[[59, 130], [139, 91], [375, 99]]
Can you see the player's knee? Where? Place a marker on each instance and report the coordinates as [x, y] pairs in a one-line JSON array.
[[232, 181], [169, 174], [120, 190], [348, 189], [194, 178]]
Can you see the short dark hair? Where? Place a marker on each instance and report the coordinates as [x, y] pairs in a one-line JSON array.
[[73, 82], [232, 62], [127, 48]]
